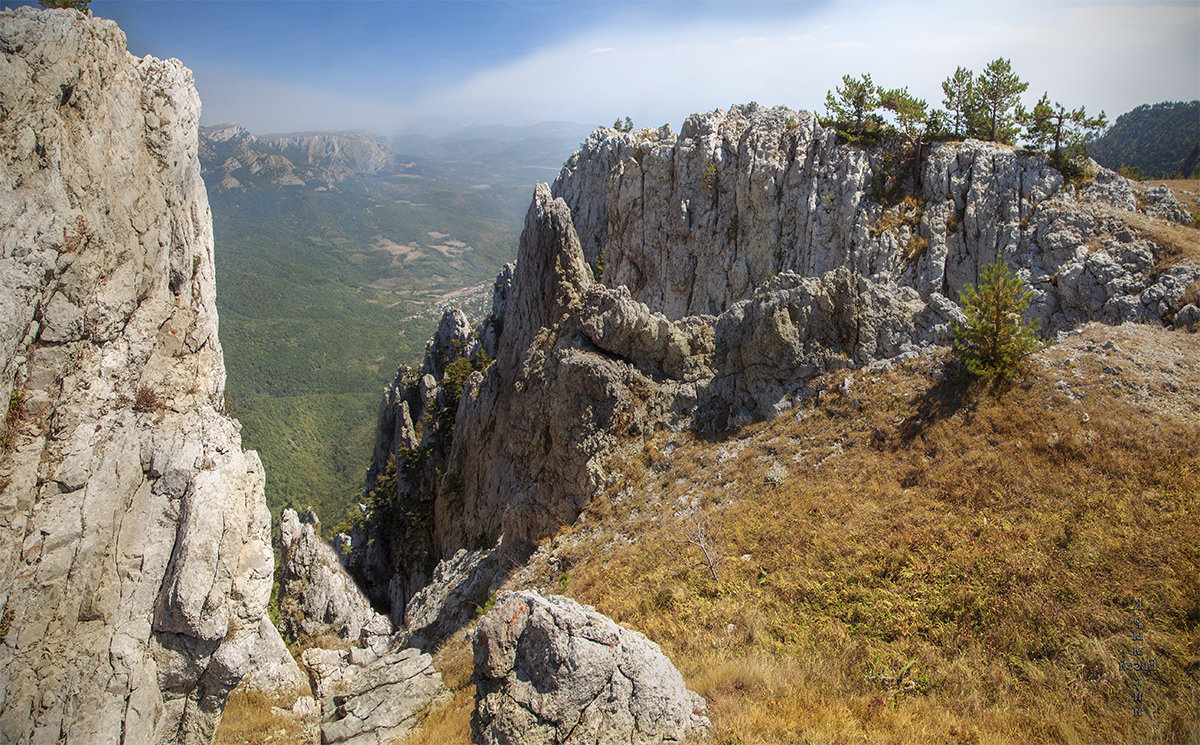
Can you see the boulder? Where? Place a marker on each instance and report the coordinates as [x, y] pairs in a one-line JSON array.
[[275, 669], [549, 670], [368, 700]]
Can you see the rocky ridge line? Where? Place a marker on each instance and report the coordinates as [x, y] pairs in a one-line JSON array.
[[702, 280]]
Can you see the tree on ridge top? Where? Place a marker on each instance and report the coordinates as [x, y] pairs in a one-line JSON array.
[[80, 5], [998, 90]]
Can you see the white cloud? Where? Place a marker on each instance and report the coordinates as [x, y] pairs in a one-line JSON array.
[[1101, 55]]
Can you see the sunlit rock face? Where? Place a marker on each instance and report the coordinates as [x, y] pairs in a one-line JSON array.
[[134, 534], [704, 279]]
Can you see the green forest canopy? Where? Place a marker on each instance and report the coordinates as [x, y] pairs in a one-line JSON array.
[[1160, 140]]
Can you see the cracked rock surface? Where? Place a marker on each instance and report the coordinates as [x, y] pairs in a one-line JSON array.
[[316, 595], [366, 699], [135, 556], [549, 670]]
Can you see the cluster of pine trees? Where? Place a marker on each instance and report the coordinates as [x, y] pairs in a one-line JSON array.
[[984, 106]]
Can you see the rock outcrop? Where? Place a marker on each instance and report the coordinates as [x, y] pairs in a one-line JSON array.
[[370, 700], [316, 597], [693, 223], [549, 670], [135, 558], [703, 280]]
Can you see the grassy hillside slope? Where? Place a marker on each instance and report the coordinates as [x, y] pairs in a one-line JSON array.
[[915, 558]]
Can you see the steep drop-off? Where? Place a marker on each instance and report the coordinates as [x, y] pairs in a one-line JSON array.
[[703, 280], [135, 557]]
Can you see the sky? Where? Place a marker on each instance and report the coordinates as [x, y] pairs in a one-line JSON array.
[[406, 65]]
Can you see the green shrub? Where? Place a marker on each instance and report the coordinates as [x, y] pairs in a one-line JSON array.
[[598, 267], [454, 380], [995, 340], [12, 419], [80, 5]]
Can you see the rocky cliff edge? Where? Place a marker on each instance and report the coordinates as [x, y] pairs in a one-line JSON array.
[[135, 557], [703, 280]]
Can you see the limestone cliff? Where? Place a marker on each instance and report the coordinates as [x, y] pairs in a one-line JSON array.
[[703, 280], [135, 558]]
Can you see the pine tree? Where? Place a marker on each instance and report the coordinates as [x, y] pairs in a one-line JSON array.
[[911, 113], [1053, 127], [1039, 127], [995, 340], [960, 100], [852, 109], [80, 5], [997, 92]]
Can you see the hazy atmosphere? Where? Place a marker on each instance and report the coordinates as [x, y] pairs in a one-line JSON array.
[[403, 66]]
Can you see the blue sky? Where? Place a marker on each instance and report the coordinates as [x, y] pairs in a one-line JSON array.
[[393, 65]]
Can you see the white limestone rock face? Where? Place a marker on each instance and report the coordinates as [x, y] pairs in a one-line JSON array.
[[135, 558], [549, 670], [316, 595], [692, 223], [274, 667], [366, 699]]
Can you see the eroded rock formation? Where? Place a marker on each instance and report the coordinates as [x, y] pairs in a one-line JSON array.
[[703, 280], [316, 597], [135, 557]]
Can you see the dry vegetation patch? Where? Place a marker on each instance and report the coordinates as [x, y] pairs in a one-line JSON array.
[[449, 722], [942, 562], [911, 558], [249, 719]]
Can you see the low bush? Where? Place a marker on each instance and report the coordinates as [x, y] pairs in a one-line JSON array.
[[994, 340]]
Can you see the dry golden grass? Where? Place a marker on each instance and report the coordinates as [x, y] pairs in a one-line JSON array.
[[943, 563], [248, 719]]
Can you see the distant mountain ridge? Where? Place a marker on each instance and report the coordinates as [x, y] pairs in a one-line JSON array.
[[327, 158], [1161, 140], [291, 159]]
